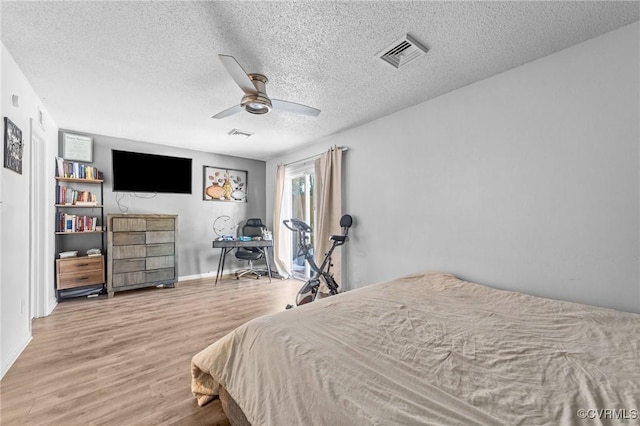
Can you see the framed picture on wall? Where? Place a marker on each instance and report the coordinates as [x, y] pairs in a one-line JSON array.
[[13, 146], [77, 147], [221, 184]]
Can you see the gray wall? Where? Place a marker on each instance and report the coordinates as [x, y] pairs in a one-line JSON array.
[[196, 216], [528, 180]]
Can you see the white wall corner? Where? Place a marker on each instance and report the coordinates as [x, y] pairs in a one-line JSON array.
[[13, 356]]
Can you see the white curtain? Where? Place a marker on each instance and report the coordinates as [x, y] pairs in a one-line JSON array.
[[281, 235], [328, 200]]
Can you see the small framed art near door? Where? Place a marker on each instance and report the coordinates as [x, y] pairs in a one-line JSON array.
[[13, 146]]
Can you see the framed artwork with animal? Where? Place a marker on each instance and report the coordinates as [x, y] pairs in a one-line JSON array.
[[222, 184]]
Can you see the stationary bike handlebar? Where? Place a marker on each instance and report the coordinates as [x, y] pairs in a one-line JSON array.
[[304, 248], [296, 225]]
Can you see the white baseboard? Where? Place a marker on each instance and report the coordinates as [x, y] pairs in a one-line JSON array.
[[6, 364], [51, 306], [227, 271], [197, 276]]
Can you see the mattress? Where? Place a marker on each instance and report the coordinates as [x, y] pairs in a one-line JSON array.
[[429, 349]]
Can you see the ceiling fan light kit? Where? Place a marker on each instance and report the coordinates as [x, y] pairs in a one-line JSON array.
[[255, 99], [257, 103]]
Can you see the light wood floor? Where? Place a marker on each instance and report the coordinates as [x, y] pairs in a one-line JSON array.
[[126, 360]]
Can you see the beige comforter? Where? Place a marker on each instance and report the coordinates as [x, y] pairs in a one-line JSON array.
[[429, 349]]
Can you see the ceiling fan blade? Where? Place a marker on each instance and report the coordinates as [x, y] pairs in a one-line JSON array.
[[295, 108], [229, 111], [238, 74]]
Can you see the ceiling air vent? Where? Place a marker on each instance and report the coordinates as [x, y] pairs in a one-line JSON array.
[[238, 132], [402, 51]]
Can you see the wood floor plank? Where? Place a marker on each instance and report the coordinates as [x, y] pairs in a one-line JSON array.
[[126, 360]]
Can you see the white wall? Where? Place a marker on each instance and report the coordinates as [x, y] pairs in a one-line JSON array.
[[528, 180], [14, 226]]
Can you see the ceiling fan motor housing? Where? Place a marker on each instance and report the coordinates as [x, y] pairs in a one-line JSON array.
[[257, 103], [255, 99]]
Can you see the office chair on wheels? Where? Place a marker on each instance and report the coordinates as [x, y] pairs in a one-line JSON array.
[[253, 228]]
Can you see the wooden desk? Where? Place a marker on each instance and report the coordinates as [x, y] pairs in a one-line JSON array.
[[229, 246]]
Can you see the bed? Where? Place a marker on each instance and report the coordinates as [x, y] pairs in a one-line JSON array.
[[428, 348]]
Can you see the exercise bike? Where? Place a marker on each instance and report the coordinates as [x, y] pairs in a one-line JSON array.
[[309, 290]]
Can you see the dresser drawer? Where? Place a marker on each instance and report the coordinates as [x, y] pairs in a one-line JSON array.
[[160, 224], [129, 238], [128, 252], [155, 237], [79, 264], [128, 265], [79, 279], [160, 249], [128, 278], [135, 278], [123, 224], [160, 262], [167, 274]]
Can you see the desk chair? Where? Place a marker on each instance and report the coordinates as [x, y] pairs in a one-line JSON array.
[[253, 228]]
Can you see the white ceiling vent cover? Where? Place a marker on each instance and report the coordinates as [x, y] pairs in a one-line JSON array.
[[402, 51], [238, 132]]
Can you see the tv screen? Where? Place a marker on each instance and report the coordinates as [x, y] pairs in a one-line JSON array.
[[138, 172]]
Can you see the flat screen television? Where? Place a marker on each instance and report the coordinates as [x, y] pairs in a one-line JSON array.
[[139, 172]]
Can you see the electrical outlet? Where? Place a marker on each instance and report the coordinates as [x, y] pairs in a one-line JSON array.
[[23, 305]]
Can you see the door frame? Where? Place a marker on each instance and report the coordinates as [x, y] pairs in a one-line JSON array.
[[37, 228], [293, 172]]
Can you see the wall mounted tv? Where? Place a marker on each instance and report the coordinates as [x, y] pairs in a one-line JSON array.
[[138, 172]]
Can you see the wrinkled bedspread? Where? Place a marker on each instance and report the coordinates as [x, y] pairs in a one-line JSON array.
[[425, 349]]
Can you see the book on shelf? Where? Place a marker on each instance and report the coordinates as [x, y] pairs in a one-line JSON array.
[[71, 196], [75, 223], [75, 170], [59, 167]]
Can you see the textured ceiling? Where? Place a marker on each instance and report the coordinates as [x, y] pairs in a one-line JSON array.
[[150, 71]]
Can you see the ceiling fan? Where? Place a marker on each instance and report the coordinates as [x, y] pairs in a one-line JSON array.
[[255, 99]]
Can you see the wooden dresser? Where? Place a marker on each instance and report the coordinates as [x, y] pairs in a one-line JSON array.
[[142, 251]]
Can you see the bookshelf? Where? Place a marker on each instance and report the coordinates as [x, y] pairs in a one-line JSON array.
[[79, 230]]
